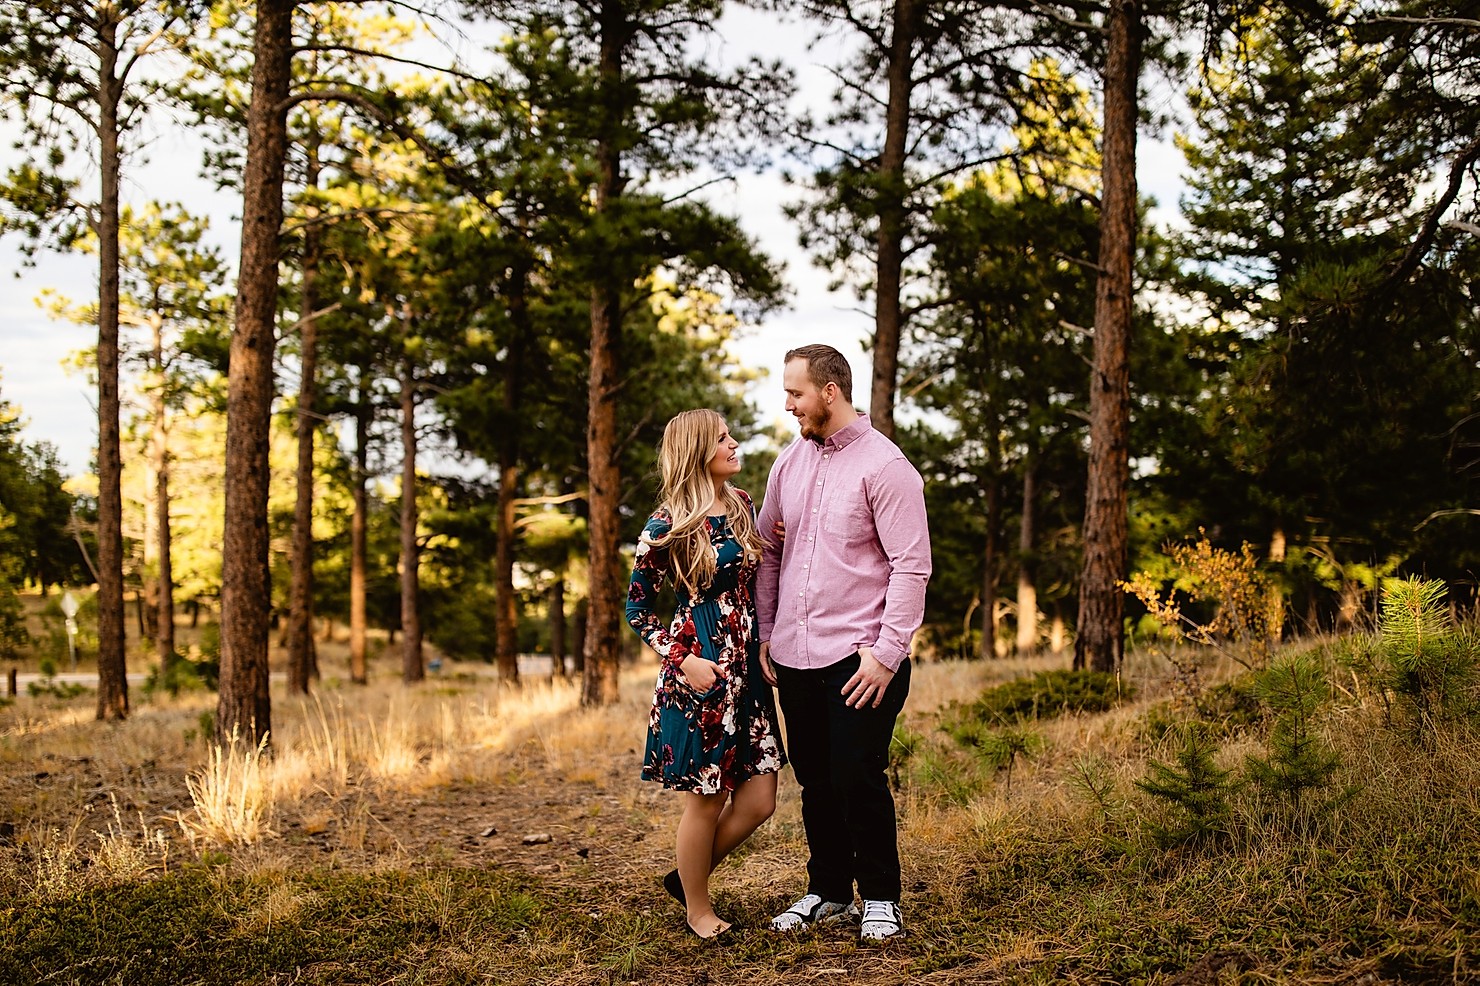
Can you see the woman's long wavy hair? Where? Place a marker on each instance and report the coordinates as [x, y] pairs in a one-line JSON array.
[[689, 442]]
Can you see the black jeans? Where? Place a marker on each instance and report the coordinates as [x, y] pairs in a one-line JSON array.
[[841, 758]]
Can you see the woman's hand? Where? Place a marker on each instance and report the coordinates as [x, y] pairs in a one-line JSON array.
[[699, 673], [779, 529]]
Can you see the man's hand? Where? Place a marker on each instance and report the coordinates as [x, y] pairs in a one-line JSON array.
[[768, 670], [869, 681], [699, 673]]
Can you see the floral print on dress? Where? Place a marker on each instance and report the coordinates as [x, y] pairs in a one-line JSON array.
[[712, 741]]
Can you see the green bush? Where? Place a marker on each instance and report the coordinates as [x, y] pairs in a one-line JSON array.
[[1299, 762], [1420, 664], [1047, 694], [1195, 791], [182, 675]]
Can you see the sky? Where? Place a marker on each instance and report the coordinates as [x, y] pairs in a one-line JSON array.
[[58, 403]]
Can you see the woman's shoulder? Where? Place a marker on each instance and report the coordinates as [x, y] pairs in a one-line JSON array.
[[744, 496], [660, 521]]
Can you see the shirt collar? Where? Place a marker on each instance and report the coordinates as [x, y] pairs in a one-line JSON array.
[[845, 436]]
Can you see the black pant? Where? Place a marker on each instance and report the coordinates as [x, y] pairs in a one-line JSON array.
[[841, 757]]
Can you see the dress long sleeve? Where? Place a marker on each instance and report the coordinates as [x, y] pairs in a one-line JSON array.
[[649, 569]]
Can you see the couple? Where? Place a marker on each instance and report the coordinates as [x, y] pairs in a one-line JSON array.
[[819, 596]]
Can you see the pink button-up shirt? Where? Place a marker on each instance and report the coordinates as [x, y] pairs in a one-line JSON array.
[[852, 570]]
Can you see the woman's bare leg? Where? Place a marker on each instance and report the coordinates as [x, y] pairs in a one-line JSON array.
[[750, 805], [697, 831]]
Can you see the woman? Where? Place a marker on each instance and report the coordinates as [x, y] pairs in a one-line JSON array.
[[712, 731]]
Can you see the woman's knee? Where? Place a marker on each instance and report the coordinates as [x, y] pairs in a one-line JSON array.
[[704, 807]]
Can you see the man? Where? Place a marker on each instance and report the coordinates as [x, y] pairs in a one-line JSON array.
[[840, 592]]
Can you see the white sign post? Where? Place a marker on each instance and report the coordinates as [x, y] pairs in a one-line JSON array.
[[69, 610]]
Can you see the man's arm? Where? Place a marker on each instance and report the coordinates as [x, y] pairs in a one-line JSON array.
[[768, 576], [898, 501]]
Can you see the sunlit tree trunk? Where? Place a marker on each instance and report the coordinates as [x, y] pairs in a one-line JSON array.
[[245, 708], [888, 317], [988, 649], [507, 621], [1100, 636], [557, 623], [357, 528], [1027, 589], [302, 657], [112, 667], [602, 644], [1275, 601], [413, 667], [159, 468]]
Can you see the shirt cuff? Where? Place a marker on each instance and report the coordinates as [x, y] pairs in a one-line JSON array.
[[889, 657]]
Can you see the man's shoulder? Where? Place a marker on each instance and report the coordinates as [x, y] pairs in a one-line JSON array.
[[788, 452], [881, 449]]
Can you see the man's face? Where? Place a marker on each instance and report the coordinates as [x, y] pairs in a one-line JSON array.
[[809, 405]]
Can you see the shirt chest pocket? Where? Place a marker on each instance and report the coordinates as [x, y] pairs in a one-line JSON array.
[[848, 516]]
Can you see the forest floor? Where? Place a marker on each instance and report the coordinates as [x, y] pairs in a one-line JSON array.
[[467, 831]]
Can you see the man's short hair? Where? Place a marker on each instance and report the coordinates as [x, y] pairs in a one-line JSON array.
[[825, 365]]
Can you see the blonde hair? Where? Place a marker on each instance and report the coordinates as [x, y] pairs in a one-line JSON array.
[[689, 441]]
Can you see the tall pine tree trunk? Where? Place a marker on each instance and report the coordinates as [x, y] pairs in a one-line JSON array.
[[888, 316], [1275, 599], [988, 647], [112, 667], [159, 467], [1100, 638], [557, 623], [245, 709], [1027, 589], [603, 620], [506, 644], [302, 656], [357, 532], [358, 673], [413, 668]]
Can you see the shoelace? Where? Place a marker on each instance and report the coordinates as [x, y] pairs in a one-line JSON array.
[[879, 910]]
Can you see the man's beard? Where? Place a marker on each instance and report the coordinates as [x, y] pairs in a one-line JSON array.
[[814, 427]]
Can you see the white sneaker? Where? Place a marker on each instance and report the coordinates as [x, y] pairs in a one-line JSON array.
[[880, 921], [812, 910]]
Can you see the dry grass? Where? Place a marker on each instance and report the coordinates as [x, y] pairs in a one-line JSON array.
[[232, 795], [372, 811]]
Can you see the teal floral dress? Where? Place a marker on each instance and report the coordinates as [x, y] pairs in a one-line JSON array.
[[712, 741]]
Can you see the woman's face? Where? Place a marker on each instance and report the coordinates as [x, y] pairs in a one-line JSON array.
[[724, 459]]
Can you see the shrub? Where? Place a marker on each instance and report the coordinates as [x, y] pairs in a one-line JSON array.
[[1420, 664], [1194, 789], [1047, 694], [1299, 761], [1247, 613]]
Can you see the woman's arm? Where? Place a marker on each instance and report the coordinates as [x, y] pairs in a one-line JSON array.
[[649, 568]]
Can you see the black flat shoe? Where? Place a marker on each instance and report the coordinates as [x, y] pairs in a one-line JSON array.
[[674, 886], [721, 933]]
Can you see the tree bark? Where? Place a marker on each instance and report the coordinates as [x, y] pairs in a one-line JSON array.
[[507, 621], [1027, 589], [413, 668], [557, 624], [888, 315], [603, 620], [1275, 601], [112, 664], [159, 466], [358, 672], [245, 711], [302, 655], [988, 648], [1100, 635]]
